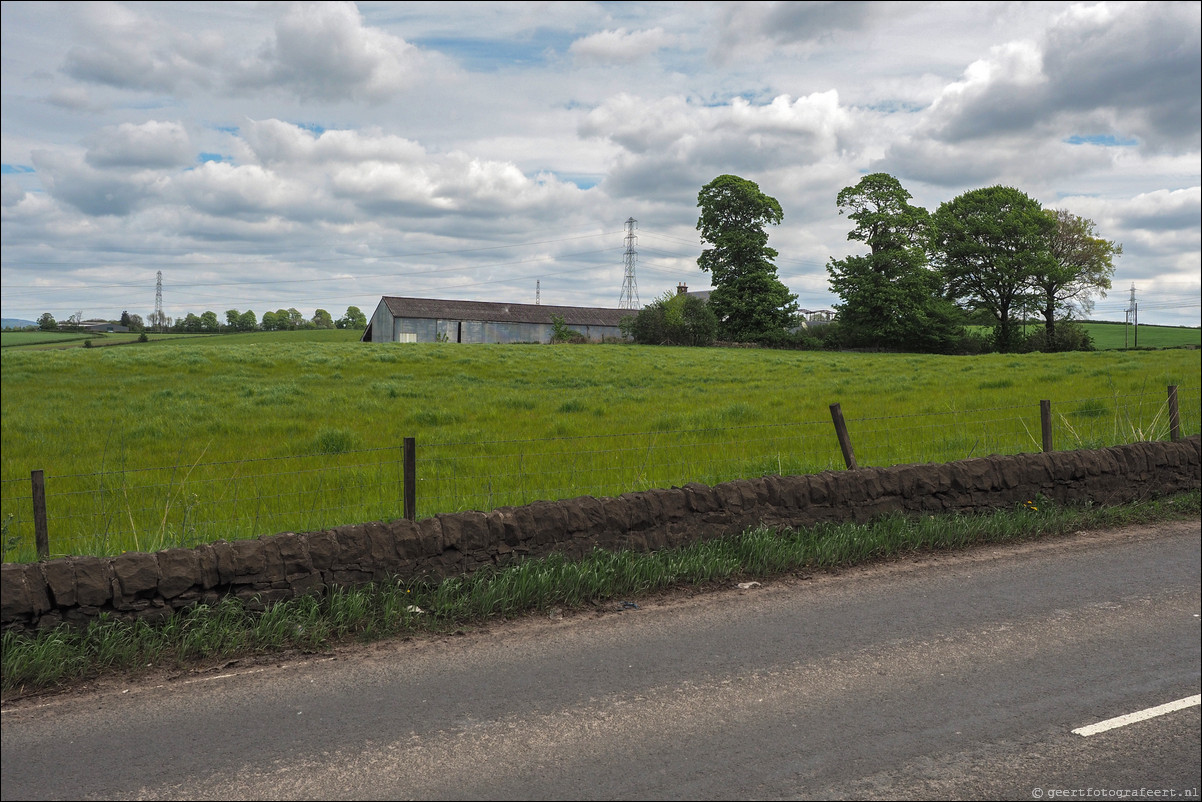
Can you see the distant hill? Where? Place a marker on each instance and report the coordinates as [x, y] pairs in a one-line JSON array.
[[15, 323]]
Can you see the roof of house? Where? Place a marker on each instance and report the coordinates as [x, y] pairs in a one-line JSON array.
[[492, 312]]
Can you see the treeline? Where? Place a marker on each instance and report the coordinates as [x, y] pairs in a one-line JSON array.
[[991, 258], [235, 321]]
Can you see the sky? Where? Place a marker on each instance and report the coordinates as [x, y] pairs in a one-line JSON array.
[[270, 156]]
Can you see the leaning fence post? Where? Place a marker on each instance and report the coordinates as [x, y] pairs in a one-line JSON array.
[[41, 534], [410, 479], [849, 456], [1174, 416], [1045, 423]]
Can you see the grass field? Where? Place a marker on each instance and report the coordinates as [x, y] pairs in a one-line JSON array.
[[180, 441], [1113, 336]]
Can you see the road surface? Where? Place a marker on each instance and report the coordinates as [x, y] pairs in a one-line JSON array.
[[939, 676]]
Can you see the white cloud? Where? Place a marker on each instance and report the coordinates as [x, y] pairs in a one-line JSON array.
[[447, 143], [149, 145], [132, 50], [620, 46], [323, 52]]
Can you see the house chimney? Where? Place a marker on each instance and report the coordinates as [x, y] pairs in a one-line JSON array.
[[682, 288]]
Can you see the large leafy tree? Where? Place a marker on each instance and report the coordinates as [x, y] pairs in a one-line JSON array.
[[322, 319], [991, 244], [353, 319], [890, 297], [1082, 267], [749, 301]]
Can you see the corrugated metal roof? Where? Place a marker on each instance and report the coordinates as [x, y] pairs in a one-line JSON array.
[[433, 309]]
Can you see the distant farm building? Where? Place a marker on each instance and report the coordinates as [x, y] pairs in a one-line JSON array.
[[425, 320], [103, 326]]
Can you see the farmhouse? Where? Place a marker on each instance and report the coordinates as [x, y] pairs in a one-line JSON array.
[[426, 320]]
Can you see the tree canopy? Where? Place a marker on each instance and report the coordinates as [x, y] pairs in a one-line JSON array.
[[1082, 266], [353, 319], [749, 301], [991, 243], [890, 298]]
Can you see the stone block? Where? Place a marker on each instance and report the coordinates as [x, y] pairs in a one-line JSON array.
[[59, 576], [95, 578], [179, 570]]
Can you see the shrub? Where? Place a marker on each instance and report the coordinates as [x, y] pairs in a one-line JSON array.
[[1070, 335], [674, 319]]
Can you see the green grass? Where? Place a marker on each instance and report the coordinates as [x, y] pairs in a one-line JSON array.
[[230, 629], [24, 339], [187, 440], [1109, 336]]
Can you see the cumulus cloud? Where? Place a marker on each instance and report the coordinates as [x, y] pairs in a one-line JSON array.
[[315, 52], [131, 50], [620, 46], [247, 192], [1163, 210], [1124, 70], [11, 192], [738, 135], [323, 51], [69, 178], [150, 145], [294, 132], [753, 29]]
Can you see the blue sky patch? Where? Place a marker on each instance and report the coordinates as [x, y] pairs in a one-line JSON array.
[[16, 169], [581, 180], [1105, 140], [487, 55], [313, 128], [210, 157]]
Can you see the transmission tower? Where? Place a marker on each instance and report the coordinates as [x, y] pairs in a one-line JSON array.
[[630, 292], [1132, 318], [158, 301]]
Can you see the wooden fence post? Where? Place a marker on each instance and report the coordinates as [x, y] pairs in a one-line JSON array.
[[849, 456], [1045, 423], [410, 461], [41, 532], [1174, 415]]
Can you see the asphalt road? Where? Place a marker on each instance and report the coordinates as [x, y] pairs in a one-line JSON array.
[[945, 676]]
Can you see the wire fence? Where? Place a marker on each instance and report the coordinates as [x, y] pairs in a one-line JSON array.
[[152, 508]]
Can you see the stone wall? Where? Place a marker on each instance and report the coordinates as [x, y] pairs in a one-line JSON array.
[[277, 567]]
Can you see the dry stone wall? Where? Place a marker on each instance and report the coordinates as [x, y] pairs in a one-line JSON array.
[[278, 567]]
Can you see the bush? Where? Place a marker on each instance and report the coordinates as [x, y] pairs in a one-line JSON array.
[[674, 319], [560, 333], [1069, 336]]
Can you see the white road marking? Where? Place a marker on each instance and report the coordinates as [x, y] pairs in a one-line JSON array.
[[1140, 715]]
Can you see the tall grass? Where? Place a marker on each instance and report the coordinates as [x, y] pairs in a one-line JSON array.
[[185, 441], [231, 629]]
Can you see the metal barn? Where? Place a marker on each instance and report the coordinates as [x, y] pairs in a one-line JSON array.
[[426, 320]]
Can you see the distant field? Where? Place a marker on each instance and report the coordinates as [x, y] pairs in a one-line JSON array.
[[75, 339], [1117, 336], [182, 441], [1109, 336], [13, 339]]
